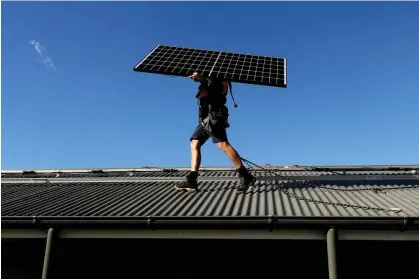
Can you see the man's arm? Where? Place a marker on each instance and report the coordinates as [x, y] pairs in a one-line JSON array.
[[196, 77], [205, 81]]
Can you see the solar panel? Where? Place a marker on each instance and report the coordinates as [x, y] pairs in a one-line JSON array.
[[236, 67]]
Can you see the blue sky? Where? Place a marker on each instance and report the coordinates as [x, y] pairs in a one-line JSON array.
[[353, 76]]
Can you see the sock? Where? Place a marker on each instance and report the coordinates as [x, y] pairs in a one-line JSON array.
[[242, 171], [193, 175]]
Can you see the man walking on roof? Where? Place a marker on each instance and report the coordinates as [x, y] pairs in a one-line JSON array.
[[213, 122]]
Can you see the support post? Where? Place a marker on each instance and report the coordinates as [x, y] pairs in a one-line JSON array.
[[47, 256], [331, 253]]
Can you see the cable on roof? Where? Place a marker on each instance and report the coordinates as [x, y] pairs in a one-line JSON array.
[[170, 170], [292, 195]]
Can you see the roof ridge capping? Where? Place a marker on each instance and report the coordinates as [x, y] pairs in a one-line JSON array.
[[413, 168]]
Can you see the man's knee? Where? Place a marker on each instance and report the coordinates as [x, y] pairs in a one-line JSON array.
[[195, 144], [223, 145]]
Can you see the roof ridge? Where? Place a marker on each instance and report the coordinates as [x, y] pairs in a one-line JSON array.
[[210, 168], [205, 169]]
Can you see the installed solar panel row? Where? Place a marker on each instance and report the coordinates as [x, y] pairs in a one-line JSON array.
[[236, 67]]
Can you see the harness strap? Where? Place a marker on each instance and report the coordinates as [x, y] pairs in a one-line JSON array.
[[230, 86]]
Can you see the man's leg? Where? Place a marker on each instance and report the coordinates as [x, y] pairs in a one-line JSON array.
[[231, 153], [195, 155], [198, 138], [219, 137]]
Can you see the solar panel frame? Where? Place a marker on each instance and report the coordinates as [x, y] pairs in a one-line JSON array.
[[236, 67]]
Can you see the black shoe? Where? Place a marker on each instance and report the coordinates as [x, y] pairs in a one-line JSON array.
[[246, 180], [190, 184]]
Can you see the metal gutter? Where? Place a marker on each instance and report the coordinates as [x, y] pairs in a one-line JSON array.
[[214, 223]]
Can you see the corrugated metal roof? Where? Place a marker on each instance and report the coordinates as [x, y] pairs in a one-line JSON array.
[[215, 198]]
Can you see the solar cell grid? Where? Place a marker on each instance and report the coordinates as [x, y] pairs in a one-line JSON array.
[[237, 67]]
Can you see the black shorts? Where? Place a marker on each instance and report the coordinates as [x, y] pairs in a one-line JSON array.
[[219, 134]]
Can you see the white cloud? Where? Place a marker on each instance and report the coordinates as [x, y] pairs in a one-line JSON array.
[[42, 52]]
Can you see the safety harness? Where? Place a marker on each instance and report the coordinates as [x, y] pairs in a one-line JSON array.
[[214, 112]]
